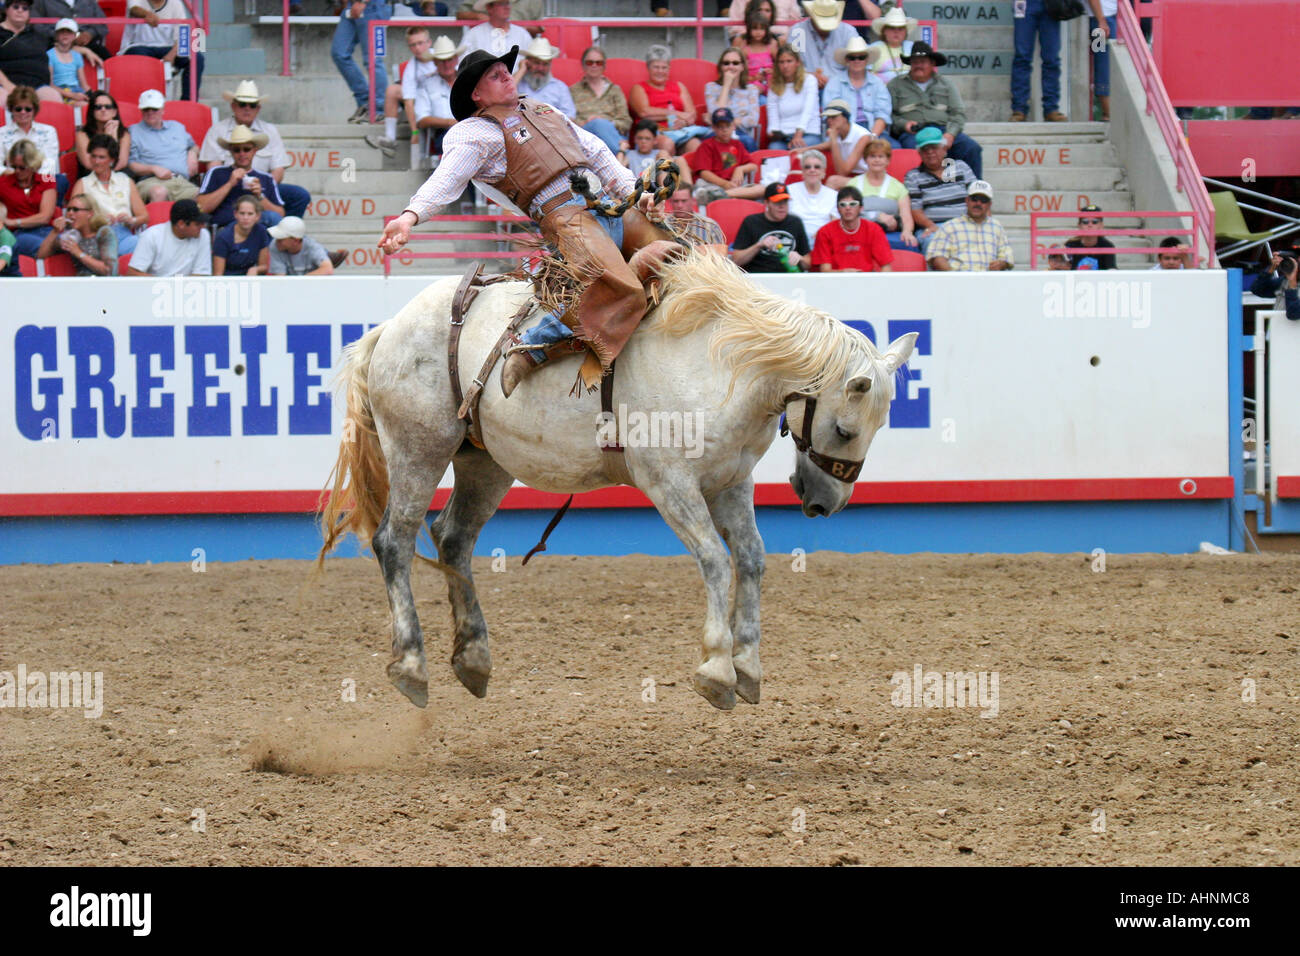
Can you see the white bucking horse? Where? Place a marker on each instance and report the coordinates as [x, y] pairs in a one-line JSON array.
[[718, 347]]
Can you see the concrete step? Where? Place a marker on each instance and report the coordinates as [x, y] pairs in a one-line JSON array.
[[234, 62], [1078, 178], [1022, 131], [229, 36]]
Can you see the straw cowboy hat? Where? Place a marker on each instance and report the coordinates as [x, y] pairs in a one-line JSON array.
[[826, 14], [480, 6], [857, 45], [241, 135], [245, 92], [540, 49], [469, 72], [894, 18], [444, 49]]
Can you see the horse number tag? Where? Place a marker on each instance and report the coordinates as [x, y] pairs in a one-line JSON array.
[[522, 135]]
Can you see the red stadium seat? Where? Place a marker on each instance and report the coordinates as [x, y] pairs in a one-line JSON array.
[[901, 161], [122, 263], [759, 155], [794, 176], [694, 74], [158, 212], [129, 112], [69, 166], [728, 213], [571, 37], [60, 264], [27, 267], [905, 261], [566, 71], [64, 120], [114, 8], [625, 72], [197, 118], [129, 75]]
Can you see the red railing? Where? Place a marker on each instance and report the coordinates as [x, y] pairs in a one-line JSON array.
[[1035, 231], [1158, 106], [194, 26], [406, 256]]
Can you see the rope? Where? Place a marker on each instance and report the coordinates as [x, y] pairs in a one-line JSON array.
[[582, 186]]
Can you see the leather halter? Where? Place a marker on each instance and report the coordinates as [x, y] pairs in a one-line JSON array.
[[841, 469]]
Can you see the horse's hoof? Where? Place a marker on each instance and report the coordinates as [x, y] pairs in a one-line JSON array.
[[747, 687], [716, 693], [475, 681], [415, 688]]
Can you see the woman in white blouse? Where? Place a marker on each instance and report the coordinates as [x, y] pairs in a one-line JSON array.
[[112, 193], [793, 106], [812, 200]]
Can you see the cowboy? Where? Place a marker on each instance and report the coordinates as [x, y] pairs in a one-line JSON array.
[[923, 98], [529, 149], [817, 38], [222, 185], [537, 81], [246, 110]]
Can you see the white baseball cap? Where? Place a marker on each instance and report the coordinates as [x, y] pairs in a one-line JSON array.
[[151, 100], [290, 227], [980, 188], [67, 23]]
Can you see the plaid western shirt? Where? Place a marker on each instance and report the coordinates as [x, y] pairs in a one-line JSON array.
[[475, 148], [970, 246]]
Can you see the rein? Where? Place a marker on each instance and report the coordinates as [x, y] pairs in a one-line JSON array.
[[582, 188], [841, 469]]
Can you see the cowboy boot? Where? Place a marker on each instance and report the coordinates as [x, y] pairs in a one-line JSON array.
[[517, 365]]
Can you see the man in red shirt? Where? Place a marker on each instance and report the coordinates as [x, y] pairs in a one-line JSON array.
[[851, 243], [722, 163]]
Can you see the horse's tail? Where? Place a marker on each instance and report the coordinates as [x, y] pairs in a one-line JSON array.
[[357, 488]]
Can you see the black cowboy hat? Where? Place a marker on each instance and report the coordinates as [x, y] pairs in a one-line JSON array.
[[468, 74], [921, 48]]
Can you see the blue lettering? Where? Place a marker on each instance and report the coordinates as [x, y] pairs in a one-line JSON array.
[[84, 343], [908, 411], [258, 419], [147, 419], [200, 342], [863, 326], [30, 342], [305, 417]]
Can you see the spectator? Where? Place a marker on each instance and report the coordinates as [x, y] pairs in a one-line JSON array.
[[669, 105], [793, 106], [893, 44], [774, 10], [180, 247], [1175, 257], [496, 34], [812, 201], [869, 104], [686, 216], [84, 234], [601, 105], [243, 248], [162, 40], [24, 106], [846, 144], [772, 240], [89, 35], [22, 53], [1101, 51], [1057, 262], [163, 153], [850, 244], [8, 265], [759, 45], [1032, 18], [884, 199], [222, 185], [924, 99], [425, 66], [102, 117], [937, 190], [973, 241], [297, 254], [434, 8], [537, 81], [28, 197], [817, 38], [1090, 240], [525, 10], [112, 193], [733, 91], [245, 109], [1279, 283], [67, 66], [721, 164], [352, 31], [644, 154]]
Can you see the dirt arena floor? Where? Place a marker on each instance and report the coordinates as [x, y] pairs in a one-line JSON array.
[[1125, 732]]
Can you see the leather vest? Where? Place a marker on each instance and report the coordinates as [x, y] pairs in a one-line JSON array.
[[540, 145]]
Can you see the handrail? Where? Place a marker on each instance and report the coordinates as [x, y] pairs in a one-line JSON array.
[[1035, 231], [191, 24], [1158, 106], [503, 219]]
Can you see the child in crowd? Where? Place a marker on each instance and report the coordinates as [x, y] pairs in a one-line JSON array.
[[643, 152], [67, 66]]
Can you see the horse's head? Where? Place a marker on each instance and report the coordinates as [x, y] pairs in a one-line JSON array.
[[833, 428]]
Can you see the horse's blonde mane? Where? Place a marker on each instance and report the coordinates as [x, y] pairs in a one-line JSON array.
[[758, 331]]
